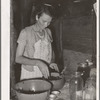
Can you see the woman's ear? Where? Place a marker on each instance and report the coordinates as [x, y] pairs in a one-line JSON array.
[[37, 18]]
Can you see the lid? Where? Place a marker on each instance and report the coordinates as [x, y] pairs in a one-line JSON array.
[[77, 74], [83, 64]]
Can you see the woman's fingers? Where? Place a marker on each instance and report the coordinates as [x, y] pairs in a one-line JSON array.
[[45, 72], [54, 66], [44, 69]]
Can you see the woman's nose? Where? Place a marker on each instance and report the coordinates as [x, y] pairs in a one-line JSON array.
[[46, 24]]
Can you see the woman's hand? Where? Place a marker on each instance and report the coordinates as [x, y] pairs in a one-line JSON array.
[[54, 66], [43, 68]]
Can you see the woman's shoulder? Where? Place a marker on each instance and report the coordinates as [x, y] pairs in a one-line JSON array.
[[28, 28], [28, 32]]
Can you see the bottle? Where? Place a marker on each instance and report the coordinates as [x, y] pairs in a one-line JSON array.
[[93, 72], [90, 89], [76, 87], [90, 63], [84, 69]]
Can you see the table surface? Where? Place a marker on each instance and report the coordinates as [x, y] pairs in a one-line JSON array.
[[64, 95]]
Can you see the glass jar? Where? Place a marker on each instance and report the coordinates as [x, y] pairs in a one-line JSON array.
[[84, 69], [76, 87], [90, 89]]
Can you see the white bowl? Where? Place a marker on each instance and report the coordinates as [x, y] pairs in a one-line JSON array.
[[52, 97], [55, 92]]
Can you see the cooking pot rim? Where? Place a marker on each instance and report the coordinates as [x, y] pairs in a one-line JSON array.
[[41, 78], [35, 92]]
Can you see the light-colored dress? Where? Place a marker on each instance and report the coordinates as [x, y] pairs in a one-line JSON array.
[[36, 46]]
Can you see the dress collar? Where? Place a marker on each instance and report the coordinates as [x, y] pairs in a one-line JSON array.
[[37, 28]]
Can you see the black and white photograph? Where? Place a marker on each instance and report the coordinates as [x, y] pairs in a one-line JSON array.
[[50, 50]]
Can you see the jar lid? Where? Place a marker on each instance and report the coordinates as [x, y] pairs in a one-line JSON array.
[[83, 65], [77, 73]]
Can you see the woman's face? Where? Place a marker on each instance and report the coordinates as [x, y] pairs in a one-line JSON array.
[[44, 20]]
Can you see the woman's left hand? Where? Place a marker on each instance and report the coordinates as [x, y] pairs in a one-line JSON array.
[[54, 66]]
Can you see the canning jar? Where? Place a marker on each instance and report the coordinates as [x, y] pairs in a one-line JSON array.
[[90, 89], [76, 87], [84, 69]]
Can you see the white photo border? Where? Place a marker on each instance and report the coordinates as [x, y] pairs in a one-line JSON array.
[[5, 50]]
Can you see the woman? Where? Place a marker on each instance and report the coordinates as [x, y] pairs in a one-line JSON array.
[[34, 46]]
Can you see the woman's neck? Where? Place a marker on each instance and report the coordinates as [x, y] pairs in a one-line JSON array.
[[40, 27]]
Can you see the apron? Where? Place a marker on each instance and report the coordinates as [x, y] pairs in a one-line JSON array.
[[42, 51]]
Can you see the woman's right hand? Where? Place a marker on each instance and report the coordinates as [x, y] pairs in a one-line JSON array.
[[43, 68]]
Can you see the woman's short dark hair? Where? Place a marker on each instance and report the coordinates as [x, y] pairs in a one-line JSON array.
[[42, 8], [45, 8]]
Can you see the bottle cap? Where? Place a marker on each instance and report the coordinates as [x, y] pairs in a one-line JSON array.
[[77, 73], [82, 64]]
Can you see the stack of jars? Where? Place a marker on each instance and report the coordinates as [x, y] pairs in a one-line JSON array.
[[83, 84], [89, 92]]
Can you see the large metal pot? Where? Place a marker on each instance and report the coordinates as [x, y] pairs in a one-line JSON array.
[[33, 89]]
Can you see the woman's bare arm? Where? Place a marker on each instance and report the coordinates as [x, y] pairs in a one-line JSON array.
[[27, 61], [23, 60]]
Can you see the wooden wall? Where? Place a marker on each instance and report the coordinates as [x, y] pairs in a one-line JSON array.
[[78, 33]]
